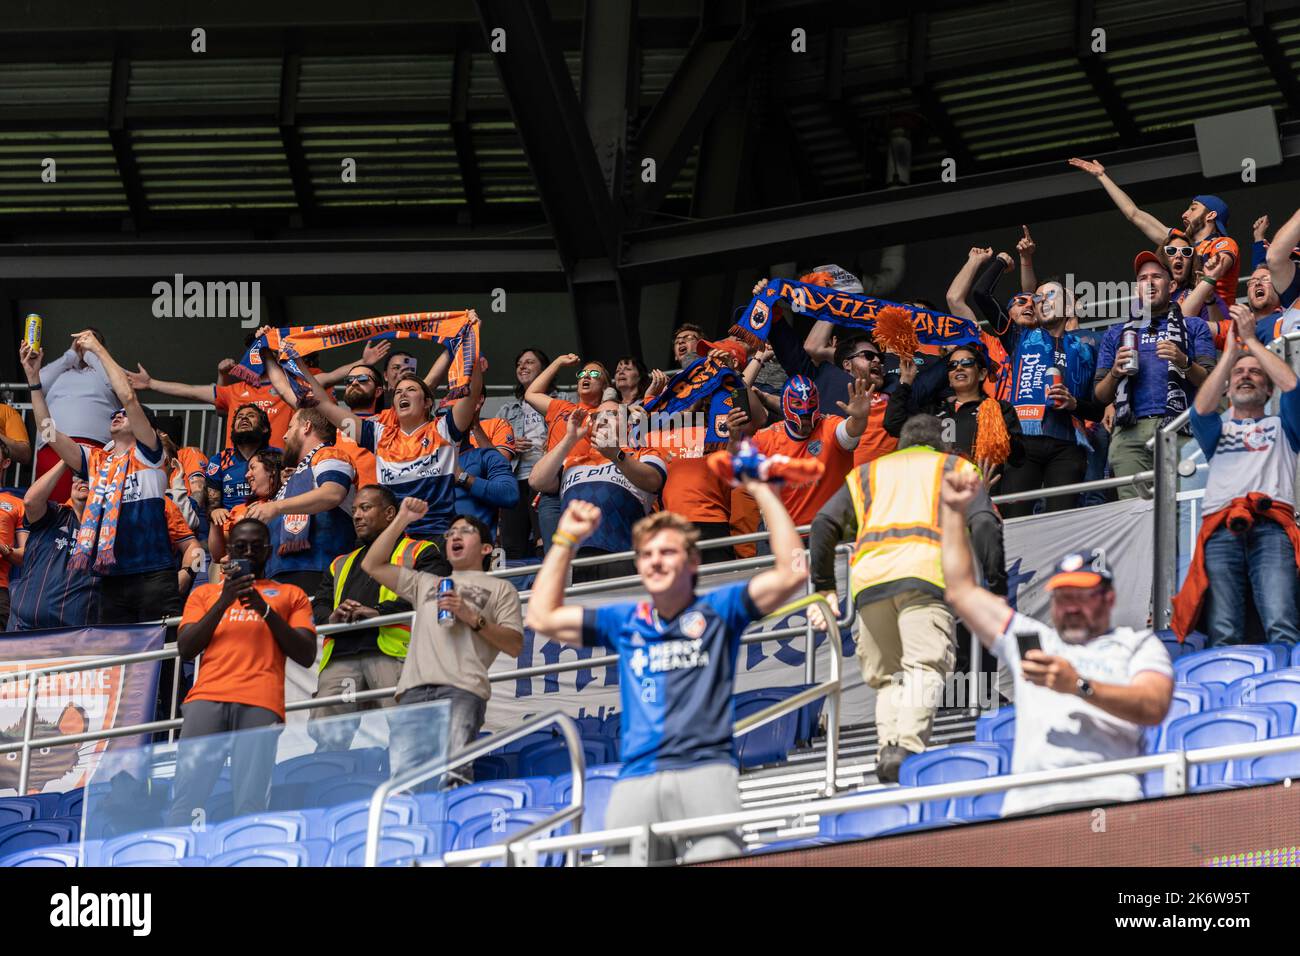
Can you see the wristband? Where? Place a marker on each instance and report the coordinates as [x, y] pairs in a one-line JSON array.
[[267, 612], [35, 388], [564, 539], [1207, 279]]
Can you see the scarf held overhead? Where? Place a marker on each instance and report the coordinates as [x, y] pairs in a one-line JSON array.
[[702, 379], [847, 309], [455, 331]]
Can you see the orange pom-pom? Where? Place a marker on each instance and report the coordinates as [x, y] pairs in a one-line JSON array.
[[818, 278], [992, 441], [895, 332]]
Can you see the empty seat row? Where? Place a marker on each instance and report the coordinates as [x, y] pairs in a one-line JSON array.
[[41, 806]]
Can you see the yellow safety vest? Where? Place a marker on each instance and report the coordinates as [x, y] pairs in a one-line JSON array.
[[394, 639], [896, 501]]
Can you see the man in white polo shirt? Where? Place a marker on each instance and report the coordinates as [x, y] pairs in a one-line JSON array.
[[1084, 689]]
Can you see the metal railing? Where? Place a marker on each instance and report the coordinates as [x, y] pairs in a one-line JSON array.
[[436, 768], [1174, 764]]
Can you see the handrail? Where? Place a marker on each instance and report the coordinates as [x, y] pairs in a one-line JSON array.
[[1078, 487], [437, 767], [1173, 763]]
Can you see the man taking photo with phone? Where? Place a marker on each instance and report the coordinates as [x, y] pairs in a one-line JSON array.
[[1085, 692]]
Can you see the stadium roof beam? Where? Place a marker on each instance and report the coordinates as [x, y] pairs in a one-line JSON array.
[[463, 137], [120, 139], [1274, 56], [568, 178], [932, 107], [291, 139], [1085, 20], [609, 84], [873, 220], [703, 81]]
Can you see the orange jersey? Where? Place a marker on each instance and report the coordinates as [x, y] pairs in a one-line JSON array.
[[11, 519], [1227, 284], [875, 441], [691, 489], [363, 460], [243, 664], [229, 397], [500, 434], [11, 424], [744, 520], [557, 420], [189, 462], [178, 529], [804, 501]]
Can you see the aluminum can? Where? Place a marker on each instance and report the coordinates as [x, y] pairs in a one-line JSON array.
[[1054, 378], [1129, 340], [32, 330], [446, 586]]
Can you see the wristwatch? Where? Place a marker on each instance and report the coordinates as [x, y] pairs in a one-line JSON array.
[[478, 625], [1084, 688], [621, 455]]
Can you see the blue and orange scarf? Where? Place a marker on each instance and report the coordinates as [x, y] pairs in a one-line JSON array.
[[295, 530], [704, 379], [456, 331], [851, 310], [97, 536]]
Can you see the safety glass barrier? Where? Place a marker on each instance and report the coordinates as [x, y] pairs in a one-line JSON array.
[[277, 794]]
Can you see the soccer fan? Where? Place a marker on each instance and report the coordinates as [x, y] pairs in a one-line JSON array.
[[1249, 542], [1272, 321], [310, 519], [1205, 222], [590, 463], [11, 543], [631, 379], [364, 396], [398, 365], [677, 662], [415, 450], [124, 531], [593, 379], [520, 532], [1175, 353], [1084, 689], [264, 480], [244, 627], [485, 485], [80, 400], [888, 509], [46, 593], [807, 433], [227, 473], [371, 658], [685, 339], [449, 661]]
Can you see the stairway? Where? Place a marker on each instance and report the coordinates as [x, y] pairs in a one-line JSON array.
[[802, 776]]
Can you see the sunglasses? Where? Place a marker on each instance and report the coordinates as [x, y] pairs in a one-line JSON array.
[[867, 354], [120, 411], [962, 363], [1024, 298], [1174, 252], [590, 373], [353, 379]]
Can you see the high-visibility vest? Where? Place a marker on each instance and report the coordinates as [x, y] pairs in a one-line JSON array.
[[394, 639], [896, 500]]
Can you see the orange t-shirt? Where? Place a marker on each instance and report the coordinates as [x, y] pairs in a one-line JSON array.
[[243, 664], [1227, 284], [691, 489], [500, 434], [363, 460], [230, 397], [804, 501], [875, 441], [11, 424], [744, 520], [178, 529], [11, 519], [190, 462], [557, 421]]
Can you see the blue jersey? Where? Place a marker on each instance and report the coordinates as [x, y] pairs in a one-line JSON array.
[[421, 464], [43, 593], [328, 533], [676, 677], [622, 504], [228, 473], [143, 541]]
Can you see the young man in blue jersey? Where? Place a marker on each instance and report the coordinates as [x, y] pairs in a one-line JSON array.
[[677, 662]]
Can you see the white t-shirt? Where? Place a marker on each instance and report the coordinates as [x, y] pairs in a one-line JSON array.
[[1251, 454], [1055, 730]]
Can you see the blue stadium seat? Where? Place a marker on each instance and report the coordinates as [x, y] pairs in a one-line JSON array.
[[477, 799], [338, 822], [306, 853], [1187, 699], [18, 810], [394, 843], [1281, 653], [1279, 685], [64, 856], [549, 758], [493, 767], [48, 803], [491, 829], [259, 829], [595, 797], [36, 833], [332, 793], [370, 760], [309, 768], [1195, 640], [772, 742], [1295, 656], [996, 725], [152, 846], [540, 787], [590, 725], [612, 725], [70, 803], [857, 824], [1268, 768], [950, 765], [1245, 723], [1220, 666], [1175, 649]]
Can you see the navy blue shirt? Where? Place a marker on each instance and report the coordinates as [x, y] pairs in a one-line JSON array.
[[228, 473], [676, 678], [42, 593], [494, 488], [1149, 391]]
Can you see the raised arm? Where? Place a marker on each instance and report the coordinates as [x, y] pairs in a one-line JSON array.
[[141, 380], [46, 427], [466, 407], [547, 613], [772, 588], [858, 408], [983, 612], [535, 395], [1026, 247], [437, 373], [145, 434], [960, 288], [1280, 267], [36, 500], [376, 562], [1283, 376], [545, 476], [1151, 227]]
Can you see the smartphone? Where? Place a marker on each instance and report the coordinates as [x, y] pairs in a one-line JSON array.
[[1028, 641], [240, 567], [740, 399]]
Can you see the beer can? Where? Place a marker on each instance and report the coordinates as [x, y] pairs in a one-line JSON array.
[[32, 330], [1129, 340], [445, 586], [1054, 378]]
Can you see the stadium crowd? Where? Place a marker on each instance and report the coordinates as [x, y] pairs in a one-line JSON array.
[[320, 510]]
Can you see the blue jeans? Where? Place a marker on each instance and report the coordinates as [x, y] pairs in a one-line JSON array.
[[464, 721], [1265, 557], [1097, 461], [548, 518]]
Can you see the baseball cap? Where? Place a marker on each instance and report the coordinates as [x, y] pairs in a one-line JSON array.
[[1081, 569], [733, 346], [842, 280], [1217, 206], [1145, 256]]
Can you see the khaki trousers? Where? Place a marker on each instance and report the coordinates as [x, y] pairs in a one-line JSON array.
[[906, 651], [351, 673]]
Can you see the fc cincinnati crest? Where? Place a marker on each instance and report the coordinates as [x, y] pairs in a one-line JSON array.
[[693, 624], [758, 316], [270, 592], [1255, 439], [815, 447], [295, 524]]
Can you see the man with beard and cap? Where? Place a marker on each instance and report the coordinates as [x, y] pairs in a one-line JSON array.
[[369, 659], [310, 518], [1084, 689], [227, 473], [364, 397], [1249, 542], [1205, 223], [806, 433]]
